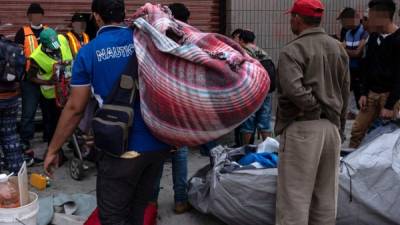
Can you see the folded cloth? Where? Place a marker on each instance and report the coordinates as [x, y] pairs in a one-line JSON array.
[[81, 205], [194, 87], [267, 160]]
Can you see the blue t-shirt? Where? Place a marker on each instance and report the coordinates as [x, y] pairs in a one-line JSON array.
[[100, 64]]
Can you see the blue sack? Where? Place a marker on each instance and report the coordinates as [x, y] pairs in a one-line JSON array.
[[266, 159]]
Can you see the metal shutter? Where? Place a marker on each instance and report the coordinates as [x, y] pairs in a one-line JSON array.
[[205, 14]]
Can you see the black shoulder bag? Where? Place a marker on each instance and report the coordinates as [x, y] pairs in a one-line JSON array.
[[112, 122]]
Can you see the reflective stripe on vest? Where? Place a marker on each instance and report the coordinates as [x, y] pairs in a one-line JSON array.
[[46, 63], [30, 43], [75, 44]]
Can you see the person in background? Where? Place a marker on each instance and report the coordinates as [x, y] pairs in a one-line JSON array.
[[54, 48], [28, 37], [77, 36], [238, 139], [381, 78], [9, 138], [354, 42], [125, 185], [311, 110], [260, 120], [344, 29], [179, 157]]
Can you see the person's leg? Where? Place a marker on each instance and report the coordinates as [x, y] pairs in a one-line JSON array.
[[356, 75], [54, 113], [247, 129], [364, 120], [157, 186], [145, 185], [10, 141], [207, 147], [324, 201], [299, 155], [45, 105], [264, 118], [117, 182], [30, 100], [179, 175]]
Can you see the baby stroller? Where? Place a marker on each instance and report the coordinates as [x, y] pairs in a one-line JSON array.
[[83, 144], [82, 140]]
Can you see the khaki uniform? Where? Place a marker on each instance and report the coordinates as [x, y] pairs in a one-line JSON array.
[[313, 92]]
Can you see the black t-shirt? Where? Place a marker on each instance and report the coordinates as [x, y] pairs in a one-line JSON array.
[[381, 66], [20, 36]]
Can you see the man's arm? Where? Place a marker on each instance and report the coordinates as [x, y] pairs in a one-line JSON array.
[[290, 76], [32, 73], [69, 120], [357, 53]]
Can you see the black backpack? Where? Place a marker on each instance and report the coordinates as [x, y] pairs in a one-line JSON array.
[[12, 62], [270, 68]]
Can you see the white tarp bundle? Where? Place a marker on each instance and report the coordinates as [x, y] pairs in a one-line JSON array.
[[243, 197], [369, 186]]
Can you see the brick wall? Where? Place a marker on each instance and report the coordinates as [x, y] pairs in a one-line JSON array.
[[268, 20]]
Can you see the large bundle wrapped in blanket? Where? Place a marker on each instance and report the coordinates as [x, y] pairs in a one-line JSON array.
[[194, 86]]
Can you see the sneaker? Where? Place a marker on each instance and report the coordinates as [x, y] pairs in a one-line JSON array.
[[182, 207]]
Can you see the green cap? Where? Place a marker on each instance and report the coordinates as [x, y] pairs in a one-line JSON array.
[[48, 37]]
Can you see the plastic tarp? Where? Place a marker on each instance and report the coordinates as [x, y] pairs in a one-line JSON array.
[[369, 187], [242, 197]]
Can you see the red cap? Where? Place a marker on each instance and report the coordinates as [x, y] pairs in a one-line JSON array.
[[313, 8]]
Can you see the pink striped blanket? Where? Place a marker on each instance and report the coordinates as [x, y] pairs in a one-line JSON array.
[[194, 86]]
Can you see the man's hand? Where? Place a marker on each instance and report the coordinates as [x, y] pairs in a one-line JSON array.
[[50, 163], [387, 114], [363, 102]]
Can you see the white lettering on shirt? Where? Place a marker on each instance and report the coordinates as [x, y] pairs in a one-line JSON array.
[[105, 54]]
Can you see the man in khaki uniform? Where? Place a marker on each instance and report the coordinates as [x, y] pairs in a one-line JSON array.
[[313, 91]]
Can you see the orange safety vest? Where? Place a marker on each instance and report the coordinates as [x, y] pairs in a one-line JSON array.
[[75, 44], [30, 43]]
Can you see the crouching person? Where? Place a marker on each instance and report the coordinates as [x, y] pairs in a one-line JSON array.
[[54, 49]]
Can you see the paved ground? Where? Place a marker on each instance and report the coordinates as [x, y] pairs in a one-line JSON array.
[[64, 183]]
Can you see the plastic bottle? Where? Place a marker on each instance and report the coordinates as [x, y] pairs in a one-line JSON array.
[[9, 194]]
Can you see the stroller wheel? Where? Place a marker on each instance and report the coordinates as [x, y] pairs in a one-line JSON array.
[[76, 169]]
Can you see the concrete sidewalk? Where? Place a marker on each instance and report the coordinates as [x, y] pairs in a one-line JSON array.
[[63, 183]]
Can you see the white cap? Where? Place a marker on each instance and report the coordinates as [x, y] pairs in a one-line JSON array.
[[3, 178]]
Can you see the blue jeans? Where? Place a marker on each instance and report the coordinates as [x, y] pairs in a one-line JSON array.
[[179, 176], [30, 100], [260, 119], [9, 139]]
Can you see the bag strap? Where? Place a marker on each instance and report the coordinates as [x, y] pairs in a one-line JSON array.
[[125, 89]]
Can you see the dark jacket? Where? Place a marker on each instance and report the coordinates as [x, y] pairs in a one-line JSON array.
[[381, 67]]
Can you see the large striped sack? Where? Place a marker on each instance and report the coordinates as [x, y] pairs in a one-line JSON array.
[[194, 86]]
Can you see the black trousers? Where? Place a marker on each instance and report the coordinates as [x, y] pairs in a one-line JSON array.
[[125, 186], [355, 84], [51, 114]]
